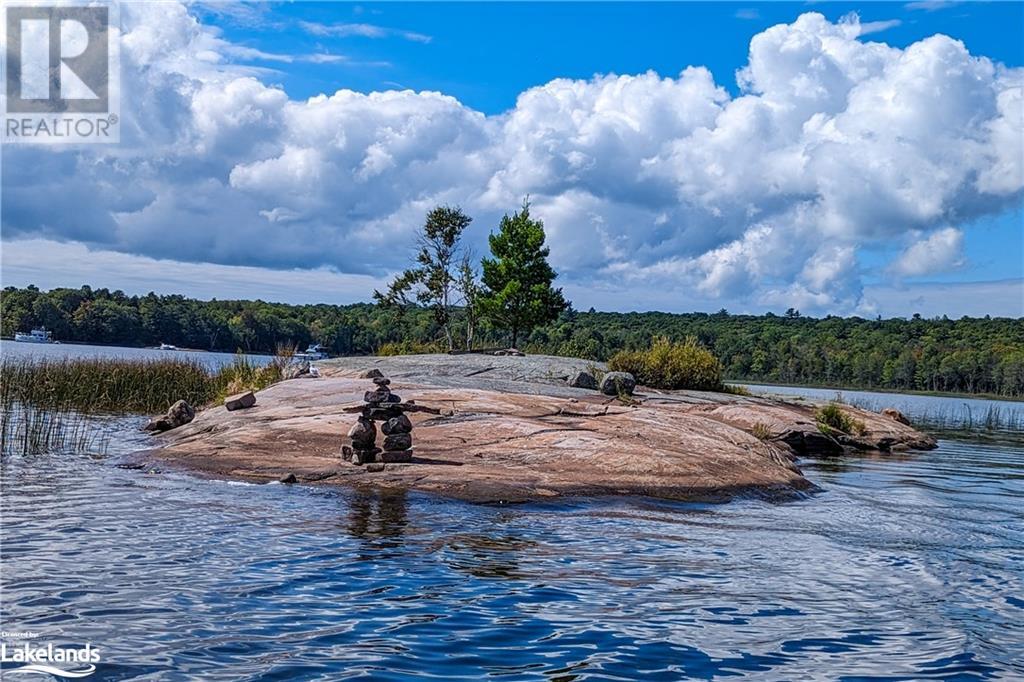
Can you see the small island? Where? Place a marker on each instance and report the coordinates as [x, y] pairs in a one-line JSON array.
[[513, 429]]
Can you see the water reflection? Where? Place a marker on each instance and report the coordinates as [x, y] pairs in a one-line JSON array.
[[378, 515]]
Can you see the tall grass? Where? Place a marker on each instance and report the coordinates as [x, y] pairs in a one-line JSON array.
[[48, 405], [671, 365]]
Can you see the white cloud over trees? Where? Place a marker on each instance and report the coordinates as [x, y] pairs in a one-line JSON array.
[[835, 144]]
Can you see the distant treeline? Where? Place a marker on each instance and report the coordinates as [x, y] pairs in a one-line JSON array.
[[969, 355]]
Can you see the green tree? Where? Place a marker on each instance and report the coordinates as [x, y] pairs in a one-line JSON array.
[[518, 294], [433, 280]]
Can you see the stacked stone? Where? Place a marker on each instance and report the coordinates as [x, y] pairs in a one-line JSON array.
[[380, 405]]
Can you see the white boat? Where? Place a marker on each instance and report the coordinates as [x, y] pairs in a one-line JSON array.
[[36, 336], [167, 346], [314, 352]]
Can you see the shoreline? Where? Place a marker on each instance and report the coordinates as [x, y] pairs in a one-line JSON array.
[[994, 397], [510, 430]]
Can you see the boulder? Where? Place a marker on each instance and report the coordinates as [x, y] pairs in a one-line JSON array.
[[618, 383], [583, 380], [240, 401], [363, 433], [896, 415], [364, 456], [179, 414], [399, 424], [294, 370], [398, 441], [290, 478], [372, 374]]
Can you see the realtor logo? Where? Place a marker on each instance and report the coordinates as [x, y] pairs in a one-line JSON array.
[[59, 73]]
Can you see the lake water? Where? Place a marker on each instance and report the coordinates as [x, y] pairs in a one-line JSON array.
[[54, 351], [903, 568]]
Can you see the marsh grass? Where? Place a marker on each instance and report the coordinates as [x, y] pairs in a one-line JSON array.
[[50, 405]]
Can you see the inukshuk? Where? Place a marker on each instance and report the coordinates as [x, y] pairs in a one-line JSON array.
[[380, 405]]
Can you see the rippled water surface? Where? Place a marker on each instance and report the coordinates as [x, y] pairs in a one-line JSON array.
[[905, 567]]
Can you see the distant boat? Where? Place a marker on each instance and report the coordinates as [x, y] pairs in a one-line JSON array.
[[314, 352], [167, 346], [36, 336]]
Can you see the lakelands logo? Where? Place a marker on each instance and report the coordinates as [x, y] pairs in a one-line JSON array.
[[60, 73], [69, 662]]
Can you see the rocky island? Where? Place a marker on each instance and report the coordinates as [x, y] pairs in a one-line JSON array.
[[511, 429]]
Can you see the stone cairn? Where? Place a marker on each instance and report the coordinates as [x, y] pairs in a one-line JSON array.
[[380, 405]]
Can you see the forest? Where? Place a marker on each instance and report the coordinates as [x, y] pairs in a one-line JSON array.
[[969, 355]]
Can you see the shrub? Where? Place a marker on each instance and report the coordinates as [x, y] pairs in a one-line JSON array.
[[671, 365], [832, 418], [761, 431], [409, 348]]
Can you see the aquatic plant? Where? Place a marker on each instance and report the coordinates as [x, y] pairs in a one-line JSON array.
[[671, 365], [48, 405]]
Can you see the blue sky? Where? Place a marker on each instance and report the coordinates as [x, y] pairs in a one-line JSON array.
[[485, 54], [686, 190]]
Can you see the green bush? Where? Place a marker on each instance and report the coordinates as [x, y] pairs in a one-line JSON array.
[[409, 348], [671, 365], [832, 418]]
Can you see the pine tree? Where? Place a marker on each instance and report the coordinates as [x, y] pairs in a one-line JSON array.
[[518, 294]]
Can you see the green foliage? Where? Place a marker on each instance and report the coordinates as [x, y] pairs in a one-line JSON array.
[[518, 279], [832, 418], [105, 386], [969, 355], [244, 375], [432, 282], [408, 348], [671, 365]]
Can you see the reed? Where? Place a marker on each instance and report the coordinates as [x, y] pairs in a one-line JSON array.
[[50, 405]]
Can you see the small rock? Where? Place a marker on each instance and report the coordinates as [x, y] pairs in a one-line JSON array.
[[382, 381], [364, 456], [896, 415], [179, 414], [395, 425], [372, 374], [617, 383], [363, 432], [290, 478], [396, 456], [346, 453], [583, 380], [240, 401], [380, 395], [375, 467], [398, 441]]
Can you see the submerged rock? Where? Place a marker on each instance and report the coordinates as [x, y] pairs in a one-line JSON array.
[[179, 414]]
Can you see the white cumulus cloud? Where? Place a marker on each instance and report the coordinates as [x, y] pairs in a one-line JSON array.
[[834, 144]]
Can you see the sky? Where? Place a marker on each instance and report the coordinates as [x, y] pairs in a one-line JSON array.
[[839, 158]]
